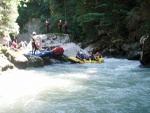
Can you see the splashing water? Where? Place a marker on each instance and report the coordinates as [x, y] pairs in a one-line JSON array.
[[116, 86]]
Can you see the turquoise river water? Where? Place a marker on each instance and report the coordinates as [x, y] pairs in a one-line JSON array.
[[115, 86]]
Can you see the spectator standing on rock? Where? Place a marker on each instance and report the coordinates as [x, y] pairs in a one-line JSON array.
[[15, 39], [33, 33], [47, 26], [33, 45], [60, 26], [65, 26]]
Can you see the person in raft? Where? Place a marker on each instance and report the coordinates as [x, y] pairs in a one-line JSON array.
[[91, 56], [98, 55], [80, 56]]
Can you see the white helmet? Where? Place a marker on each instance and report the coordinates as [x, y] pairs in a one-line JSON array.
[[34, 33]]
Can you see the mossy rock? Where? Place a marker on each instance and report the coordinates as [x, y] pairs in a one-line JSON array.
[[4, 50]]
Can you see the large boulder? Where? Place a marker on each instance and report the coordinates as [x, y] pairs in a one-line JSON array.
[[145, 50], [5, 64], [132, 50], [133, 55], [19, 60], [35, 61], [71, 49]]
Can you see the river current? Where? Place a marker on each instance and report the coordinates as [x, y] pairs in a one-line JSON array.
[[115, 86]]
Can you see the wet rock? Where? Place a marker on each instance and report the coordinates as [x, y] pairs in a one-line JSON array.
[[54, 61], [133, 55], [5, 63], [132, 50], [111, 53], [19, 60], [145, 48], [35, 61]]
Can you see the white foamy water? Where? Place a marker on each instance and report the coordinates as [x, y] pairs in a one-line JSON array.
[[115, 86]]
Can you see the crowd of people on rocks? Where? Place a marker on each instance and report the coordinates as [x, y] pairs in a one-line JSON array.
[[14, 44], [60, 26]]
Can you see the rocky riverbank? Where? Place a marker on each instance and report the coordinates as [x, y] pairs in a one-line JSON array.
[[17, 58], [112, 45], [107, 45]]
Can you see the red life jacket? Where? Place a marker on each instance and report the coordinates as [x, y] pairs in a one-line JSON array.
[[59, 24], [37, 45], [47, 24], [65, 25]]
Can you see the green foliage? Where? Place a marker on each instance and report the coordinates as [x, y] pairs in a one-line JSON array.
[[85, 17], [8, 15], [32, 9], [92, 17], [146, 26]]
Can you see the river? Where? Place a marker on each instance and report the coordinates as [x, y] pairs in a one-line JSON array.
[[115, 86]]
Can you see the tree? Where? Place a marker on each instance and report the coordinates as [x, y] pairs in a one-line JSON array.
[[8, 15]]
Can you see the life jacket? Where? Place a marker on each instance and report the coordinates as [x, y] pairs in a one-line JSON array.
[[37, 45], [59, 24], [47, 24], [78, 55], [65, 25], [82, 56], [97, 57]]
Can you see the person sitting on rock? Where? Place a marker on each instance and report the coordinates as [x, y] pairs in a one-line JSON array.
[[14, 44]]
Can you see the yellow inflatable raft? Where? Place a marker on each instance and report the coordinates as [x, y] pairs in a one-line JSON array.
[[76, 60]]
